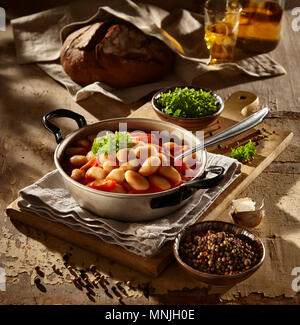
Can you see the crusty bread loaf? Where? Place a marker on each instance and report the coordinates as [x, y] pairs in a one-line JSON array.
[[117, 54]]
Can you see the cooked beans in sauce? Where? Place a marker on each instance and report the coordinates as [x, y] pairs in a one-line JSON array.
[[145, 166]]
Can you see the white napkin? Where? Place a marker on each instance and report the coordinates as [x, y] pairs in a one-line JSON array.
[[38, 39], [50, 199]]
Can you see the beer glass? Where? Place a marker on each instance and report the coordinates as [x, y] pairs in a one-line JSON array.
[[221, 29], [260, 25]]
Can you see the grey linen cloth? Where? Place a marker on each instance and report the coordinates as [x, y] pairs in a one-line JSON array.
[[50, 199], [38, 39]]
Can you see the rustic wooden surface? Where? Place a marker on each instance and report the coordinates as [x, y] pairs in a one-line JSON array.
[[26, 93], [151, 266]]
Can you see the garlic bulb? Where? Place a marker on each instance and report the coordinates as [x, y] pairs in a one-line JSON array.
[[244, 212]]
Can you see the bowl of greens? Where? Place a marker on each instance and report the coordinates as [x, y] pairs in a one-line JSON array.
[[189, 107]]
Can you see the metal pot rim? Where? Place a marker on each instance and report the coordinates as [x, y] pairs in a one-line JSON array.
[[71, 135]]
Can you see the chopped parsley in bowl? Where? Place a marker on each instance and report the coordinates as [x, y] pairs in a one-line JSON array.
[[187, 102]]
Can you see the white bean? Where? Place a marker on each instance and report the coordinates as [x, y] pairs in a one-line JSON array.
[[90, 155], [150, 166], [165, 161], [111, 157], [137, 143], [92, 137], [77, 174], [159, 182], [136, 181], [83, 143], [108, 166], [133, 164], [168, 146], [95, 172], [117, 174], [118, 189], [170, 173], [146, 151], [71, 151], [78, 160], [122, 155], [157, 147]]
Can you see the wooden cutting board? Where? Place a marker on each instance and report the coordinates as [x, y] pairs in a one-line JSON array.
[[268, 149]]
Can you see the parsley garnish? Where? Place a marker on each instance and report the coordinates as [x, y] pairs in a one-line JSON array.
[[187, 102], [244, 153], [112, 142]]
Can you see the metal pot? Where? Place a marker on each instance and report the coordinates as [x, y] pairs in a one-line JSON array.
[[129, 207]]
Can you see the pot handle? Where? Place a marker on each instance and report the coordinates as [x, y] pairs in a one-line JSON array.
[[203, 182], [81, 121], [189, 188]]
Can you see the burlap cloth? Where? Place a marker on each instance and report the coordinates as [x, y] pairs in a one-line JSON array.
[[38, 39]]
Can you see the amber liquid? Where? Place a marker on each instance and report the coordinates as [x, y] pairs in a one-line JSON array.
[[260, 25], [220, 39]]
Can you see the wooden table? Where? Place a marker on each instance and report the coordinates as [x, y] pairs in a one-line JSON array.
[[26, 94]]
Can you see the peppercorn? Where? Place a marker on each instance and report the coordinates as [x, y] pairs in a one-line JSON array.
[[121, 301], [217, 253], [66, 257], [108, 294], [119, 286], [37, 281], [247, 262], [93, 268], [82, 274]]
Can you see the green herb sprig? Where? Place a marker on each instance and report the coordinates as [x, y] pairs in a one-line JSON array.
[[244, 153], [111, 142], [187, 102]]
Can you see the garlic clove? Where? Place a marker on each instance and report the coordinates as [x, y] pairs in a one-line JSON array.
[[243, 212], [244, 204]]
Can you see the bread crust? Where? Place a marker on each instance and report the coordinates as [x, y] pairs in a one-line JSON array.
[[117, 54]]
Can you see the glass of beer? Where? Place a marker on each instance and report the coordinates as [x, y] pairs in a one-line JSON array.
[[260, 25], [221, 29]]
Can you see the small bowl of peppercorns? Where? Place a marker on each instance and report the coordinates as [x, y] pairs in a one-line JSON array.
[[218, 253]]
